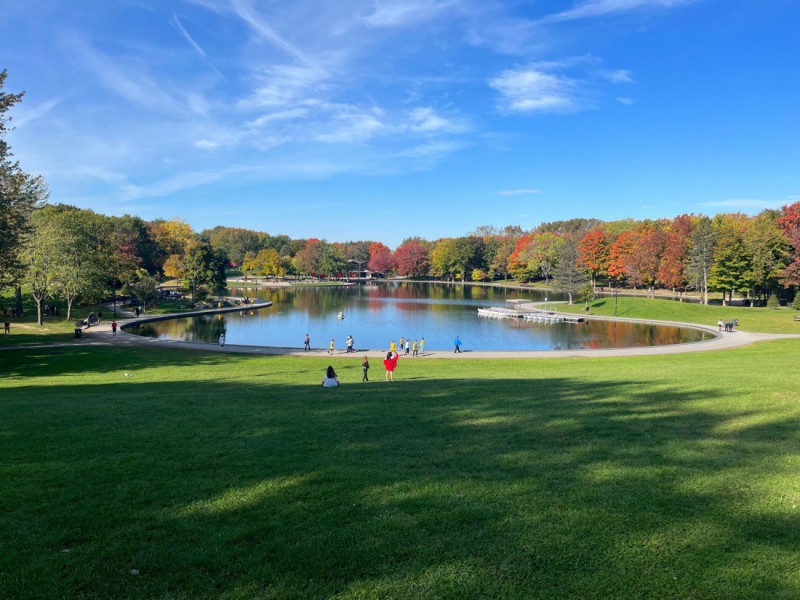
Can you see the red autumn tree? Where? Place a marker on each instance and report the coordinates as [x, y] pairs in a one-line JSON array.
[[381, 258], [644, 260], [672, 272], [412, 259], [593, 252]]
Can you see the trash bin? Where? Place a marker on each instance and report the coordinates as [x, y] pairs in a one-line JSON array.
[[78, 332]]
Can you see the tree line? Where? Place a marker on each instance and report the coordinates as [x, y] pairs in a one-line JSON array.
[[77, 255]]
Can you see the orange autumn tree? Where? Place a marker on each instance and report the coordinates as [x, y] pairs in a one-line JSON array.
[[593, 253]]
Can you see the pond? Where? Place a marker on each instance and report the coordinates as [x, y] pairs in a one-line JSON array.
[[377, 314]]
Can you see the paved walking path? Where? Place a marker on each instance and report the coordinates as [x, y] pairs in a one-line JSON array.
[[101, 335]]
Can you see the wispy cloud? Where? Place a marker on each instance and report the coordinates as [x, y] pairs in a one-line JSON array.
[[618, 76], [26, 114], [182, 30], [625, 100], [599, 8], [532, 90], [401, 13], [245, 10], [519, 192], [130, 83]]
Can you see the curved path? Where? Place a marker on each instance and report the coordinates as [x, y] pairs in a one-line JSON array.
[[101, 335]]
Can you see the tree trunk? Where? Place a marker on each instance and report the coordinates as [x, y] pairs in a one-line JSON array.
[[570, 297], [18, 298], [38, 310], [705, 286], [69, 308]]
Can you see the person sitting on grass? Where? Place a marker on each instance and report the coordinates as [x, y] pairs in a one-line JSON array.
[[330, 379]]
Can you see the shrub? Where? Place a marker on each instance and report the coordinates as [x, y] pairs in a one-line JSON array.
[[773, 302], [796, 303]]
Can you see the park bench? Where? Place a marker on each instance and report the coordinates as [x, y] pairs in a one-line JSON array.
[[797, 318]]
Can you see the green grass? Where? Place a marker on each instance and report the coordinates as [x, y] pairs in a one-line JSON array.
[[220, 475], [762, 320]]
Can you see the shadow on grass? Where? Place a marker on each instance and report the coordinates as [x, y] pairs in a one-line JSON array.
[[554, 486]]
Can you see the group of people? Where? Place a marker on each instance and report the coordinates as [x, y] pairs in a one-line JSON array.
[[411, 348], [727, 325], [389, 364]]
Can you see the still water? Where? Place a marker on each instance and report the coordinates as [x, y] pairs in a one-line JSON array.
[[376, 314]]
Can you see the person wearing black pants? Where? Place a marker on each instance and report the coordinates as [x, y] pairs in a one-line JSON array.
[[365, 368]]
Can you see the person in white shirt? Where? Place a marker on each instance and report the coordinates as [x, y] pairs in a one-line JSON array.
[[330, 379]]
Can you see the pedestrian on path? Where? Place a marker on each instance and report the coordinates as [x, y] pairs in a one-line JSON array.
[[7, 328], [221, 340], [457, 343], [350, 343], [421, 345], [408, 347], [365, 368], [113, 328], [307, 343], [330, 348], [719, 324], [415, 348], [392, 347]]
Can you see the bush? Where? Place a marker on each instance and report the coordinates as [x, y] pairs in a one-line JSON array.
[[201, 293], [796, 303], [773, 302]]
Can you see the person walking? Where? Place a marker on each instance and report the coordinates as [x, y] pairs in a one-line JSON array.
[[365, 368], [402, 343], [307, 343], [421, 345], [390, 363], [350, 343], [719, 324], [330, 347], [222, 340], [457, 343], [414, 348], [408, 347], [7, 328], [392, 347], [113, 328]]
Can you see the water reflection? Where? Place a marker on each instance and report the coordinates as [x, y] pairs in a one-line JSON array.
[[377, 314]]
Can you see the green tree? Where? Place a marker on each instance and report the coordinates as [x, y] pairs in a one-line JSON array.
[[20, 194], [41, 259], [732, 269], [568, 275], [145, 288], [701, 255], [769, 251]]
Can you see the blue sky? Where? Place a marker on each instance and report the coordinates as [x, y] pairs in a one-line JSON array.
[[364, 119]]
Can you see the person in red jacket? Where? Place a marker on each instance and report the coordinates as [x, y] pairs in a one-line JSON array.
[[391, 364]]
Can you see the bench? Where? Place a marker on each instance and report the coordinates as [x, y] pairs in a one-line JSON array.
[[797, 318]]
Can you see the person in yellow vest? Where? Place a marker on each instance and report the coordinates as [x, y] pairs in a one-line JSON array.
[[421, 345], [330, 348], [414, 348], [392, 347]]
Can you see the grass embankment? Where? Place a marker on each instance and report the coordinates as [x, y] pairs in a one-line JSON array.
[[233, 476], [25, 331], [761, 320]]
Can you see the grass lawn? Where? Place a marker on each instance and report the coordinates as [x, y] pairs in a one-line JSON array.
[[221, 475], [761, 320]]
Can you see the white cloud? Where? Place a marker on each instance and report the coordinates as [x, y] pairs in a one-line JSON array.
[[206, 144], [599, 8], [182, 30], [352, 128], [426, 120], [619, 76], [401, 13], [624, 100], [519, 192], [25, 114], [532, 90]]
